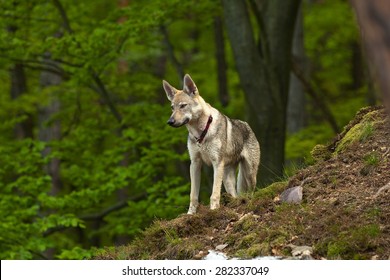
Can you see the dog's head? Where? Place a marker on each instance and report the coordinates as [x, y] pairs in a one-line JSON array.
[[184, 102]]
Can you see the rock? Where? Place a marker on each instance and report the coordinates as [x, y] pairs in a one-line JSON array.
[[292, 195], [221, 247], [303, 252], [213, 255], [375, 257], [200, 255], [306, 257]]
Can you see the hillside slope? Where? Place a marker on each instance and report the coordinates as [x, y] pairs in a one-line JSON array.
[[345, 212]]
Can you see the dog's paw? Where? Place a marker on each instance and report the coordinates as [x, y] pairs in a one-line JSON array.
[[214, 207], [214, 203], [191, 210]]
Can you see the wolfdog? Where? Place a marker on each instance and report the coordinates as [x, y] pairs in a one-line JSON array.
[[216, 140]]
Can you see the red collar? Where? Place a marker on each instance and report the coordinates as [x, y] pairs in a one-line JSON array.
[[200, 139]]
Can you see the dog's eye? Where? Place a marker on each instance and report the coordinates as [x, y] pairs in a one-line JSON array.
[[182, 106]]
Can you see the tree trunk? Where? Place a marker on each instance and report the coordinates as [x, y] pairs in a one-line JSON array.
[[49, 132], [171, 54], [296, 96], [373, 17], [264, 73], [19, 87], [221, 62]]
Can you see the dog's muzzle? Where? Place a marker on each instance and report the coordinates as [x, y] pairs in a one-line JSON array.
[[173, 123]]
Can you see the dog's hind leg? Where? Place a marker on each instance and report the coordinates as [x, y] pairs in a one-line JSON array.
[[241, 181], [247, 173], [229, 180]]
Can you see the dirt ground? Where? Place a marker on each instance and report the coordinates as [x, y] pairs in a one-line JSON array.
[[344, 214]]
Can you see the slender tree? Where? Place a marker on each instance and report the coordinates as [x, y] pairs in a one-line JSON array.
[[223, 92], [296, 96], [264, 71], [373, 19]]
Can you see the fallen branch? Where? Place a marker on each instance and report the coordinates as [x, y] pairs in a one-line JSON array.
[[178, 66], [100, 215], [382, 189], [112, 208]]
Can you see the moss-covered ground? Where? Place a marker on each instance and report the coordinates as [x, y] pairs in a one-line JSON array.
[[342, 215]]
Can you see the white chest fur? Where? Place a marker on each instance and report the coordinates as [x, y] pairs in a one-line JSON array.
[[208, 151]]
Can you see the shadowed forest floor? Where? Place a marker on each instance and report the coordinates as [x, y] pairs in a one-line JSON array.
[[345, 212]]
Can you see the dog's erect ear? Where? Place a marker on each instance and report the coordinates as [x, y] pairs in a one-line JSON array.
[[169, 90], [189, 86]]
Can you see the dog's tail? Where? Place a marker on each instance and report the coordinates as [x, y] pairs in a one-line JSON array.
[[247, 172]]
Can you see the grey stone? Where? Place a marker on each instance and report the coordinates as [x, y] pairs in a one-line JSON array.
[[292, 195], [221, 247], [303, 251]]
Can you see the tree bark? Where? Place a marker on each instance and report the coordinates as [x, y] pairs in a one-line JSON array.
[[296, 96], [221, 62], [50, 132], [171, 54], [373, 17], [19, 87], [264, 73]]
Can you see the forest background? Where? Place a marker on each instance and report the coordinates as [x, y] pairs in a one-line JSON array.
[[86, 157]]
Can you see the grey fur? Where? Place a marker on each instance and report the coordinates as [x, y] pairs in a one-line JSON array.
[[229, 144]]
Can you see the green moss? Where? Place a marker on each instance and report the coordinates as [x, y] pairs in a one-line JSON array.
[[171, 236], [337, 249], [372, 159], [241, 254], [284, 209], [271, 191], [245, 224], [360, 132], [373, 213], [247, 241], [279, 240], [253, 246], [259, 249], [352, 244], [255, 250], [320, 153], [184, 250]]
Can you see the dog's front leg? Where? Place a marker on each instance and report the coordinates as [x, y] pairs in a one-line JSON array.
[[195, 170], [217, 184]]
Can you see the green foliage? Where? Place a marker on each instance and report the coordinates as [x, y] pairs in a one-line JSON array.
[[117, 172], [330, 31], [76, 253], [299, 144], [102, 165], [21, 180]]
